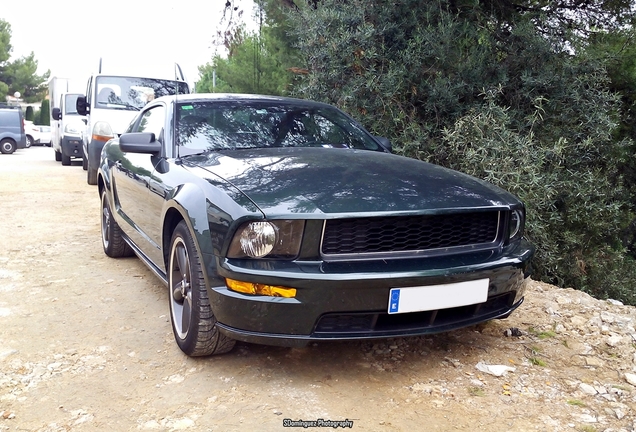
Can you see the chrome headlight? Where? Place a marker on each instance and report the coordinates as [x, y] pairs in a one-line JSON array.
[[516, 224], [271, 239]]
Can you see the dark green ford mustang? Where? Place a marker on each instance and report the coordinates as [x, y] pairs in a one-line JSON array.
[[282, 221]]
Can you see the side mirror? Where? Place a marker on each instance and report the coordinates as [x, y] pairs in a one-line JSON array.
[[81, 106], [56, 114], [385, 143], [140, 142]]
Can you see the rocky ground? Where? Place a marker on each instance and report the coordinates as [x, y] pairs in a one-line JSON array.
[[85, 344]]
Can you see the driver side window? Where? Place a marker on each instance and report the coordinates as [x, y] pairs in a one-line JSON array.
[[153, 121]]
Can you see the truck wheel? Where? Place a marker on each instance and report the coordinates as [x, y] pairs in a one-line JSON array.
[[7, 146], [58, 156], [84, 163], [29, 141], [66, 160], [91, 176], [193, 322], [114, 244]]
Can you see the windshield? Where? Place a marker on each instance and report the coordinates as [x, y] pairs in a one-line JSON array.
[[70, 104], [213, 125], [130, 93]]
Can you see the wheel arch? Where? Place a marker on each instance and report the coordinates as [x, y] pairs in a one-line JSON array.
[[100, 184], [189, 204], [103, 179], [170, 222]]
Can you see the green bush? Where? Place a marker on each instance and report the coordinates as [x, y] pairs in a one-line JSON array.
[[29, 115], [498, 100], [45, 113], [575, 202]]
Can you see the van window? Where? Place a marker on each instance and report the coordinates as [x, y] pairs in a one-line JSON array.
[[70, 107]]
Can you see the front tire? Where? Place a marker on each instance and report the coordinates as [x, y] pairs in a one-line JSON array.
[[7, 146], [91, 175], [112, 240], [193, 322]]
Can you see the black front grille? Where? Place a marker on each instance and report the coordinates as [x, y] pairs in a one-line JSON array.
[[409, 233]]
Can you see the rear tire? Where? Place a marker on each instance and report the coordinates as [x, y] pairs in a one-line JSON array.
[[84, 163], [29, 141], [193, 322], [112, 240], [7, 146], [66, 160]]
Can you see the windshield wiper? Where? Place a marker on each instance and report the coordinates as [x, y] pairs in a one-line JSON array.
[[123, 105]]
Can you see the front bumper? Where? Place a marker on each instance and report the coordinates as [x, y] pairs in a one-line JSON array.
[[72, 146], [345, 301]]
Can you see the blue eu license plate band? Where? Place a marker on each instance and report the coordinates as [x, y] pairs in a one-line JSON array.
[[434, 297]]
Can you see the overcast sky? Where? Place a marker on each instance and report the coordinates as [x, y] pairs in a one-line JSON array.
[[68, 37]]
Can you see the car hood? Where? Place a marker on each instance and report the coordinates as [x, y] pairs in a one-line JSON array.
[[338, 181]]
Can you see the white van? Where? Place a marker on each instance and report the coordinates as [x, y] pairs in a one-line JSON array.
[[67, 128], [110, 104]]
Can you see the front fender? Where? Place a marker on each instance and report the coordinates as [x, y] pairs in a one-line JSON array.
[[103, 167], [188, 203]]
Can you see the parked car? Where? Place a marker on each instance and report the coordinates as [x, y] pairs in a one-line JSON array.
[[283, 221], [32, 132], [42, 135], [12, 136]]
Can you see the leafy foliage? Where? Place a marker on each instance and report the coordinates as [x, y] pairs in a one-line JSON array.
[[251, 68], [262, 62], [560, 17], [502, 92], [21, 74], [617, 51], [5, 41]]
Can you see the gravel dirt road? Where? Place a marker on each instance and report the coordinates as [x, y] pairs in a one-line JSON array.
[[86, 344]]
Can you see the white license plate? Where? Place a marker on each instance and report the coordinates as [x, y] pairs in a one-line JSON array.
[[433, 297]]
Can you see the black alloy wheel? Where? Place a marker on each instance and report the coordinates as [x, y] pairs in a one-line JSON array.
[[193, 322], [112, 240]]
